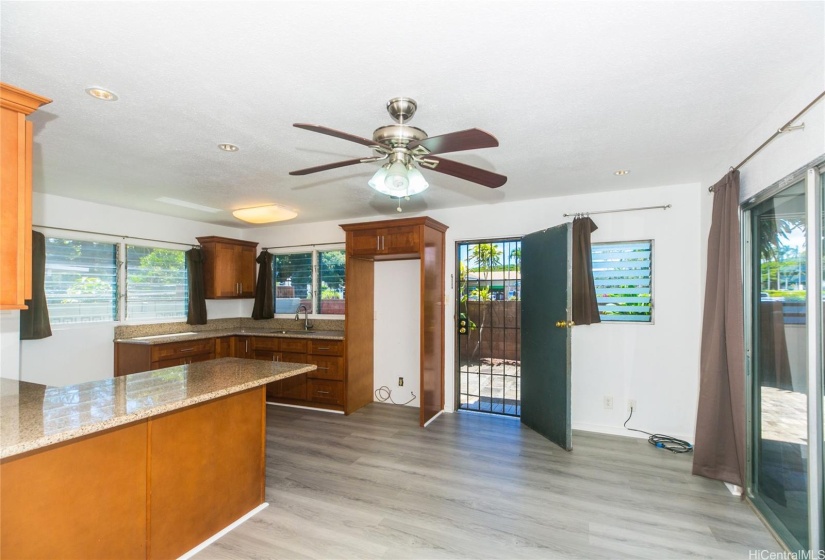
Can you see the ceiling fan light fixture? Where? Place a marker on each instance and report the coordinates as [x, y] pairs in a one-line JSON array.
[[377, 181], [264, 214], [418, 183], [396, 181]]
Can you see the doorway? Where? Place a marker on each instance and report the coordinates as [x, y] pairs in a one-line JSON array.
[[488, 323]]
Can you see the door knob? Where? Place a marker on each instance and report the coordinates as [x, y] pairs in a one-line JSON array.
[[564, 324]]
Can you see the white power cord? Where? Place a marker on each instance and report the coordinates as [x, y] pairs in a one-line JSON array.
[[384, 394]]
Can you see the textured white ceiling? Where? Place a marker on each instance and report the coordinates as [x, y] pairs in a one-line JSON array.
[[572, 90]]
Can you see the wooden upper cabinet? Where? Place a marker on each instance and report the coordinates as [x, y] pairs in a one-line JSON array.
[[228, 267], [16, 137], [391, 239]]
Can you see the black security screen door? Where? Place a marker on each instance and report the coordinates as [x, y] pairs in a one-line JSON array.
[[545, 333], [488, 355]]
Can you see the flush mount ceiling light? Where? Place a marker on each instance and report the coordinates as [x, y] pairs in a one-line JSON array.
[[100, 93], [228, 147], [264, 214], [622, 172]]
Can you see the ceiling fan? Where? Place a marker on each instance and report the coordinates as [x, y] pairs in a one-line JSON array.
[[404, 146]]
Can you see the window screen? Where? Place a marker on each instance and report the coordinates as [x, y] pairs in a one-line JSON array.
[[622, 273], [331, 276], [81, 281], [292, 277], [156, 284]]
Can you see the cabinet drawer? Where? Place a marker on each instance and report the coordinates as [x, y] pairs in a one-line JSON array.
[[182, 349], [330, 368], [295, 345], [265, 343], [293, 357], [326, 347], [328, 392]]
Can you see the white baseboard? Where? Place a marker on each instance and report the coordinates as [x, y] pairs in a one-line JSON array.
[[433, 418], [620, 431], [222, 532]]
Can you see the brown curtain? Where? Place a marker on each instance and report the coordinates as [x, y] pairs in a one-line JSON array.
[[774, 363], [264, 307], [720, 421], [197, 290], [34, 321], [585, 308]]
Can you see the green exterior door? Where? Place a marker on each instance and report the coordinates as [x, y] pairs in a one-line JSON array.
[[545, 347]]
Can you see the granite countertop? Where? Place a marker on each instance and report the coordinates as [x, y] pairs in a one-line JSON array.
[[34, 416], [200, 335]]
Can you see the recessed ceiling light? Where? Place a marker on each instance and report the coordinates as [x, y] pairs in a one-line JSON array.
[[228, 147], [101, 93], [622, 172], [187, 204], [264, 214]]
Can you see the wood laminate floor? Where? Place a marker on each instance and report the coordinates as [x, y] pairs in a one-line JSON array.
[[375, 485]]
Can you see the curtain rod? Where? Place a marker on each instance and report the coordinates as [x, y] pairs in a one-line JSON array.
[[304, 245], [114, 235], [578, 214], [781, 130]]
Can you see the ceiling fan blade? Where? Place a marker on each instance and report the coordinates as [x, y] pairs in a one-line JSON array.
[[338, 134], [470, 139], [335, 165], [466, 172]]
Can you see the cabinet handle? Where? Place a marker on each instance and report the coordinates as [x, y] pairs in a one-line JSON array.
[[240, 290], [319, 367], [323, 392], [377, 242], [186, 349], [323, 348], [246, 345]]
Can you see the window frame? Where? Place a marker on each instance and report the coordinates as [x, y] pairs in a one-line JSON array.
[[652, 242], [316, 288], [120, 244]]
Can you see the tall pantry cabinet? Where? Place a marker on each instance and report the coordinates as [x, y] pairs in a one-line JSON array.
[[16, 138]]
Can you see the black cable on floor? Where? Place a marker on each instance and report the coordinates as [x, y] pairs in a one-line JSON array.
[[672, 444], [384, 394]]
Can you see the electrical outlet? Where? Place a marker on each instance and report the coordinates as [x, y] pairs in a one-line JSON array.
[[608, 402], [400, 381], [631, 405]]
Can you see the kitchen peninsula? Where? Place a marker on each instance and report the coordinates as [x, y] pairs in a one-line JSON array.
[[146, 465]]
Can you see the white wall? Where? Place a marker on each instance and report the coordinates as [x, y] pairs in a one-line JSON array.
[[398, 329], [10, 344], [74, 354], [788, 152], [657, 365]]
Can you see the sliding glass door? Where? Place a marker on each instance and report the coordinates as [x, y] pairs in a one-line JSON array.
[[784, 357]]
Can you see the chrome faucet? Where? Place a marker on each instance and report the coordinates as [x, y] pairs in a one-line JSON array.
[[307, 324]]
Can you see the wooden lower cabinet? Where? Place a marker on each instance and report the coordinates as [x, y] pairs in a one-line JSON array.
[[149, 490], [134, 358], [325, 387], [326, 392]]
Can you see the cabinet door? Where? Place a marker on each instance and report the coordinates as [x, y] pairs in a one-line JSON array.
[[223, 347], [400, 240], [242, 347], [245, 270], [364, 242], [225, 280], [294, 387]]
